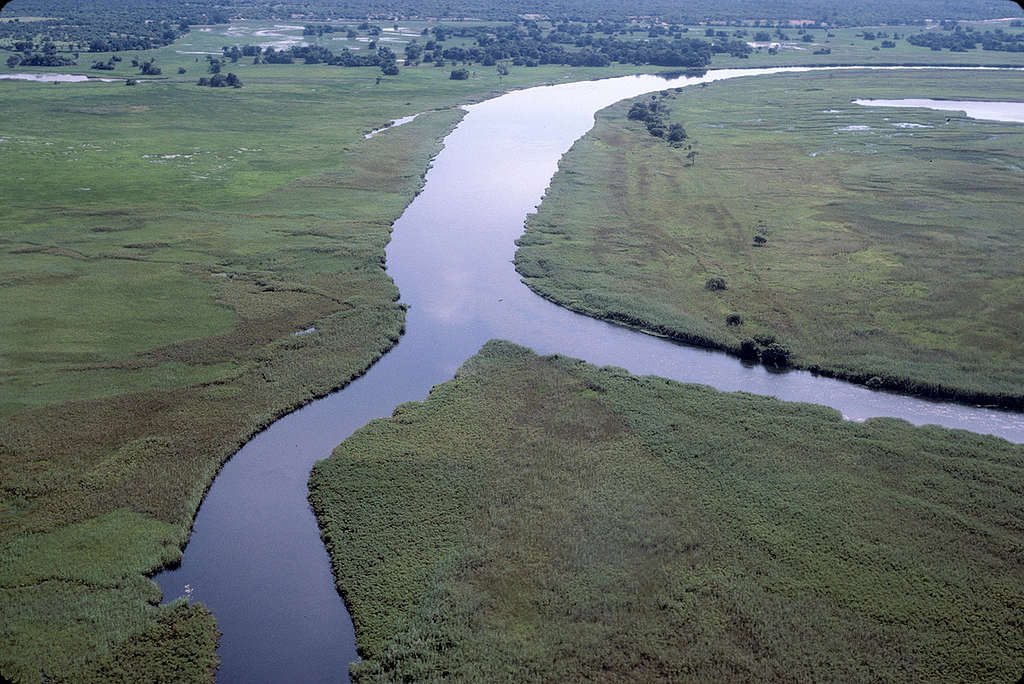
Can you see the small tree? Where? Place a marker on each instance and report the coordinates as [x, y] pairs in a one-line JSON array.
[[775, 354], [749, 350], [715, 284]]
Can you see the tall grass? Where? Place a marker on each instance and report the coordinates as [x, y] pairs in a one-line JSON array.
[[160, 246], [540, 518], [889, 252]]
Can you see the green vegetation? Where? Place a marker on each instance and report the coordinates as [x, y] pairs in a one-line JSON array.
[[875, 244], [540, 518], [160, 247], [856, 12]]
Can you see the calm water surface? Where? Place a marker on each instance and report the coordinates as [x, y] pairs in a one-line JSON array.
[[255, 557], [975, 109]]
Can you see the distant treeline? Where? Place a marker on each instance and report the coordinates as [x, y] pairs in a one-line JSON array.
[[106, 25], [524, 44], [689, 53], [135, 24]]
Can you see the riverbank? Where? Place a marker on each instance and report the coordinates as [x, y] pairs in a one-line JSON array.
[[163, 246], [856, 239], [538, 517]]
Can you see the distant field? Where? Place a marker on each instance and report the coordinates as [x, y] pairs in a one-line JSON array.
[[891, 244], [538, 518], [160, 247], [848, 46]]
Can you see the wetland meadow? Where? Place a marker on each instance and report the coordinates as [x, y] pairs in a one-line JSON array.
[[182, 266]]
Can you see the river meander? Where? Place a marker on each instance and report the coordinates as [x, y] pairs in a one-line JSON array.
[[255, 557]]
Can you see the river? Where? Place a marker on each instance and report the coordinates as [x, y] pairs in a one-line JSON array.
[[255, 557]]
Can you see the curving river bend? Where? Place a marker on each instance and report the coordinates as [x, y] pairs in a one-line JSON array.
[[255, 557]]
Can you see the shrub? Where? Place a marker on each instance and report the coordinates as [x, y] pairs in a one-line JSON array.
[[715, 284], [775, 355], [459, 74], [749, 350]]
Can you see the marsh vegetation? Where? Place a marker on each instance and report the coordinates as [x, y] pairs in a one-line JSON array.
[[874, 244], [162, 246], [541, 518]]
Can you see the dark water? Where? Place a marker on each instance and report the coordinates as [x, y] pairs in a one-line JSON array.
[[255, 557]]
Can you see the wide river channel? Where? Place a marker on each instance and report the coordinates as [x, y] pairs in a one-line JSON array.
[[255, 557]]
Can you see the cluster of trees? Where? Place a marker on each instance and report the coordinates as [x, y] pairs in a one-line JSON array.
[[109, 65], [47, 55], [767, 350], [39, 59], [147, 68], [317, 29], [383, 57], [219, 80], [686, 53], [964, 38], [653, 113], [571, 43], [109, 25]]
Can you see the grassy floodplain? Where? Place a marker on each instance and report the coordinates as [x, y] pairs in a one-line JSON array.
[[540, 518], [892, 248], [160, 246], [848, 46]]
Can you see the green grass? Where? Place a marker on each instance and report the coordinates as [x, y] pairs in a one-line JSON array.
[[892, 255], [849, 47], [159, 247], [540, 518]]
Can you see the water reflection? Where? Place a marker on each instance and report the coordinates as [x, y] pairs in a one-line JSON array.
[[255, 557]]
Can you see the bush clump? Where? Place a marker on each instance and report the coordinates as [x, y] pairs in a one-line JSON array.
[[714, 284]]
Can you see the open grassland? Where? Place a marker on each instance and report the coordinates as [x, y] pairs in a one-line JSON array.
[[160, 247], [890, 244], [538, 518]]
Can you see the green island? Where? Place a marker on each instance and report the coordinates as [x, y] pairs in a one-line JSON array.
[[543, 518], [181, 264], [875, 244]]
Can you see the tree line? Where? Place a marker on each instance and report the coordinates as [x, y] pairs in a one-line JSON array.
[[963, 38], [115, 25]]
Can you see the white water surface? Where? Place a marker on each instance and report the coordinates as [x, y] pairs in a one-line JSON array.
[[56, 78], [1010, 112]]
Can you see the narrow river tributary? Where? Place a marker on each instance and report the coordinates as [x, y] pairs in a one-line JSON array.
[[255, 557]]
